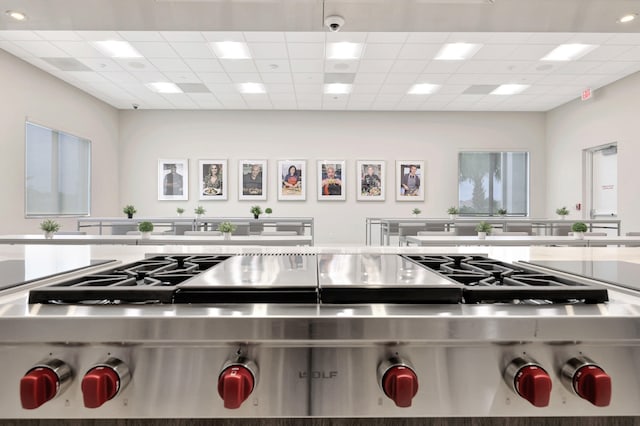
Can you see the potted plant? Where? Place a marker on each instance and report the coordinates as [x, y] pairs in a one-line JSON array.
[[179, 210], [562, 212], [416, 211], [502, 212], [483, 229], [256, 210], [579, 228], [226, 228], [199, 211], [453, 212], [145, 229], [268, 211], [129, 210], [49, 227]]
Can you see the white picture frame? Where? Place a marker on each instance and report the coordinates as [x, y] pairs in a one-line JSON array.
[[292, 184], [173, 179], [409, 188], [371, 184], [252, 179], [213, 184], [332, 180]]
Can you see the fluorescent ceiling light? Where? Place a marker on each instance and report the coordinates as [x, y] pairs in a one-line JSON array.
[[344, 50], [18, 16], [510, 89], [457, 51], [231, 50], [116, 49], [423, 89], [337, 89], [163, 87], [627, 18], [568, 52], [252, 88]]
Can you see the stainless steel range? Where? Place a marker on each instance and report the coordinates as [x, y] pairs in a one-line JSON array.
[[318, 335]]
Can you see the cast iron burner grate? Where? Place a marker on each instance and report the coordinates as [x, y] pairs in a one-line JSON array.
[[152, 280], [492, 281]]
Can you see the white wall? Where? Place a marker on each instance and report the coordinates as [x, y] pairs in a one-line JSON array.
[[436, 138], [29, 93], [610, 116]]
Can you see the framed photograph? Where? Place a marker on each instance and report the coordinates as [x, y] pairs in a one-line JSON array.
[[252, 180], [331, 180], [212, 175], [409, 180], [173, 179], [371, 180], [292, 176]]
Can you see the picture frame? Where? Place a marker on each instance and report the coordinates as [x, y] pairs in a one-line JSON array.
[[212, 180], [332, 178], [292, 180], [173, 179], [371, 180], [409, 188], [252, 179]]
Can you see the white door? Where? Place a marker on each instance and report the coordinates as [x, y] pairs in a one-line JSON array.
[[602, 181]]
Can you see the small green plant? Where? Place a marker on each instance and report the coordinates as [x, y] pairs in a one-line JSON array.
[[145, 227], [483, 227], [129, 210], [50, 225], [256, 210], [268, 210], [579, 227], [416, 211], [562, 211], [453, 210], [502, 212], [180, 210], [199, 210], [226, 227]]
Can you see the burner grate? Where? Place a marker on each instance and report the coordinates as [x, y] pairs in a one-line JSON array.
[[492, 281]]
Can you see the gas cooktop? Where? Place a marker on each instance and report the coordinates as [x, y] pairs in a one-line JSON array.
[[321, 278]]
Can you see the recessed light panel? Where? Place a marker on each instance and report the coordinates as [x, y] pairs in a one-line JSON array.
[[457, 51], [116, 49], [252, 88], [569, 52], [627, 18], [231, 50], [344, 50], [18, 16], [337, 89], [423, 89], [510, 89], [163, 87]]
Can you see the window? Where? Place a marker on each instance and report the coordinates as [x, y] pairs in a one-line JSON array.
[[488, 181], [57, 173]]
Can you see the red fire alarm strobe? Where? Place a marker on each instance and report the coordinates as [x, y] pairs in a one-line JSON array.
[[586, 94]]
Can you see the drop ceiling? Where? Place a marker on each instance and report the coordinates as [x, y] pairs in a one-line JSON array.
[[288, 43]]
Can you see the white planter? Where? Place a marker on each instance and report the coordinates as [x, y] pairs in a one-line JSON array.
[[563, 217], [482, 235], [227, 235], [48, 235], [578, 235], [453, 216], [145, 235], [414, 214]]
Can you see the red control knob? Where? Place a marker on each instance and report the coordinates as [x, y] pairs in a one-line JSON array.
[[99, 385], [235, 384], [533, 384], [593, 384], [37, 387], [400, 383]]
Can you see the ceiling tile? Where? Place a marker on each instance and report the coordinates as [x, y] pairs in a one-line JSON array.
[[268, 66], [41, 49], [149, 76], [408, 78], [78, 49], [180, 100], [220, 88], [632, 54], [170, 64], [308, 88], [182, 36], [431, 38], [214, 77], [268, 50], [605, 53], [305, 37], [141, 36], [264, 36], [245, 77], [375, 66], [387, 37], [370, 78], [334, 65], [306, 50], [354, 37], [181, 77], [381, 51], [204, 65], [223, 36], [20, 36], [280, 88], [308, 78], [136, 64], [232, 101], [365, 88], [307, 66], [57, 35], [87, 76], [193, 50], [67, 64], [101, 64], [238, 65], [99, 35], [394, 89], [495, 52], [13, 49], [404, 66], [442, 67], [552, 38], [532, 52], [152, 50], [205, 100], [625, 39], [277, 77], [419, 51], [120, 77]]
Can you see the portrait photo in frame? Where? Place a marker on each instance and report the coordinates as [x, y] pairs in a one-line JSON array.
[[173, 179], [409, 180], [371, 180], [212, 178], [252, 179], [292, 177], [331, 180]]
